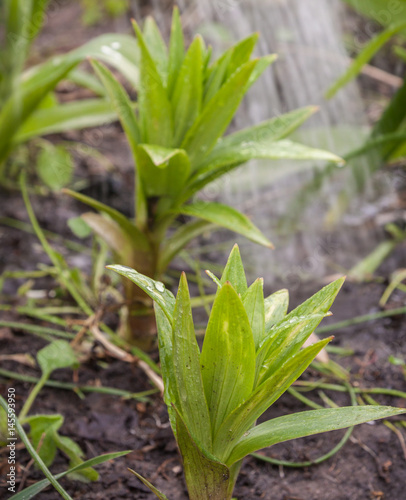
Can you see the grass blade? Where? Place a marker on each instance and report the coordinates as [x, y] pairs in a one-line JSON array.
[[73, 116], [365, 56], [149, 485], [36, 488], [51, 479]]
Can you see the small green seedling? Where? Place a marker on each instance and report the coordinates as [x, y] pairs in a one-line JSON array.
[[44, 429], [186, 102], [252, 352]]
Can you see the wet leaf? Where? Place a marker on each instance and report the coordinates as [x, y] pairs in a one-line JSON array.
[[57, 354]]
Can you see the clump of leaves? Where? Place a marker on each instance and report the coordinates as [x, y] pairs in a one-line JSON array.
[[28, 105], [252, 352], [186, 102]]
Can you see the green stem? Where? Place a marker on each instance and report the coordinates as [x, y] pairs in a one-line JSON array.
[[23, 226], [33, 394], [37, 330], [339, 388], [361, 319], [304, 399], [76, 388], [50, 251]]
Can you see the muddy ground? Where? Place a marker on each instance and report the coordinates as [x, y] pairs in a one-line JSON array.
[[370, 466]]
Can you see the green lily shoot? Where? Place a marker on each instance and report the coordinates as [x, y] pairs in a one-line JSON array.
[[185, 103], [252, 352]]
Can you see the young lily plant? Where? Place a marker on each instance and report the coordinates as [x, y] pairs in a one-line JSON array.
[[252, 352], [186, 101]]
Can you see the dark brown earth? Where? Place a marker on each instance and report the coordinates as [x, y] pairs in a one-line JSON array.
[[370, 466]]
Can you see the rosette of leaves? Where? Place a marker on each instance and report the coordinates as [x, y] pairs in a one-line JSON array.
[[186, 102], [252, 352]]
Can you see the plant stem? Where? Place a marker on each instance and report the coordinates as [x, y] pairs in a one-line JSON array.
[[357, 390], [361, 319], [76, 388], [50, 251], [37, 330], [33, 394]]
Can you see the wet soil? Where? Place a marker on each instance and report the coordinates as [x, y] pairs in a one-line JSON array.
[[370, 466]]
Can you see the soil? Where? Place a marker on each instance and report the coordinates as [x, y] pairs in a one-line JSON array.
[[371, 465]]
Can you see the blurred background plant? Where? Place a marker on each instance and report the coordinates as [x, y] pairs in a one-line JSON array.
[[95, 10], [29, 108]]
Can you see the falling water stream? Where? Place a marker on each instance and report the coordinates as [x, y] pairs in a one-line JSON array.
[[308, 37]]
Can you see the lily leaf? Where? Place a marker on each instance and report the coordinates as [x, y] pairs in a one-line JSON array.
[[217, 115], [63, 117], [253, 302], [244, 416], [175, 243], [163, 172], [113, 235], [234, 272], [155, 110], [186, 362], [138, 239], [288, 336], [276, 308], [187, 96], [155, 289], [228, 356], [263, 149], [176, 50], [121, 104], [156, 46], [307, 423], [227, 217]]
